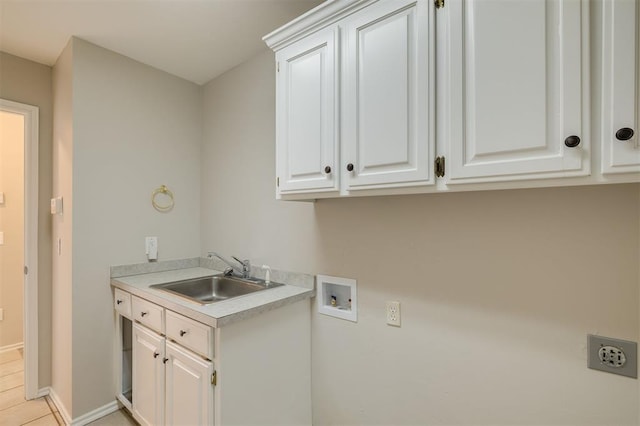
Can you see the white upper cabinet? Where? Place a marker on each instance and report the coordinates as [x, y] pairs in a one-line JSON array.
[[620, 91], [381, 97], [513, 75], [355, 99], [388, 137], [306, 114]]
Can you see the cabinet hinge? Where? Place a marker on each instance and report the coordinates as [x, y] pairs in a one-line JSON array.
[[277, 66], [214, 378], [439, 166], [278, 182], [26, 270], [439, 4]]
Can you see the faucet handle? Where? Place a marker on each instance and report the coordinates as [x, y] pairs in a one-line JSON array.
[[242, 262], [246, 266]]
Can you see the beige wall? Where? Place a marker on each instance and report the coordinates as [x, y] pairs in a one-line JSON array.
[[498, 289], [30, 83], [240, 216], [134, 128], [61, 318], [12, 224]]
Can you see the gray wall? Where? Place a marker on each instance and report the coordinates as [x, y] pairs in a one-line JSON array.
[[30, 83], [498, 289], [134, 128]]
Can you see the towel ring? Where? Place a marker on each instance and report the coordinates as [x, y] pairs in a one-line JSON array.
[[162, 190]]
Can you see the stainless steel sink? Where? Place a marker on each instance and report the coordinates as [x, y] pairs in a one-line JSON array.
[[213, 289]]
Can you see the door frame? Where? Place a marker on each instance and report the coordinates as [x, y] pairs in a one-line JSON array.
[[30, 300]]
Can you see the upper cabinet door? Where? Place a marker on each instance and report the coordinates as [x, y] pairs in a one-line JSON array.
[[513, 104], [388, 137], [306, 133], [620, 91]]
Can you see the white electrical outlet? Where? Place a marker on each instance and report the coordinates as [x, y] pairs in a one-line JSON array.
[[615, 356], [393, 313], [612, 356]]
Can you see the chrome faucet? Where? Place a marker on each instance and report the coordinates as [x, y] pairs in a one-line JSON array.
[[244, 271]]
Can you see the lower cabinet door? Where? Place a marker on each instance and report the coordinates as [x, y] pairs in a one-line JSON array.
[[148, 376], [189, 387]]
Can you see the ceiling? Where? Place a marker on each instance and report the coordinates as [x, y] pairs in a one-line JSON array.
[[193, 39]]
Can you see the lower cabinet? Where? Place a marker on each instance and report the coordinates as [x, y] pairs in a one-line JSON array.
[[189, 387], [148, 376], [167, 374], [171, 385]]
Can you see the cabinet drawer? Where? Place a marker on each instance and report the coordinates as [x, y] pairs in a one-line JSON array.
[[122, 302], [148, 313], [190, 334]]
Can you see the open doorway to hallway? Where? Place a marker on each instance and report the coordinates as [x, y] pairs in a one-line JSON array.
[[11, 231], [18, 243]]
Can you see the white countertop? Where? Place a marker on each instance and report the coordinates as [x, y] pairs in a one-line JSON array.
[[216, 314]]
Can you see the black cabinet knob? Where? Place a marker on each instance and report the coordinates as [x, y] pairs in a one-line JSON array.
[[118, 302], [350, 167], [327, 169], [156, 354], [572, 141], [143, 313], [624, 134], [182, 333], [164, 360]]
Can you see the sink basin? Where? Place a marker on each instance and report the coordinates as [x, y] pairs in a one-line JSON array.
[[215, 289]]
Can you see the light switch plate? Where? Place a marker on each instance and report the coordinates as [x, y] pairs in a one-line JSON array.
[[56, 205], [612, 355], [151, 248]]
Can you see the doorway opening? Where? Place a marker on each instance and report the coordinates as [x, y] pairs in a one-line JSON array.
[[19, 237]]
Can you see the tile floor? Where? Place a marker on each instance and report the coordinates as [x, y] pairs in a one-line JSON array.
[[15, 410]]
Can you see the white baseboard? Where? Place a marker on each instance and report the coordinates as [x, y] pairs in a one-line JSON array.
[[61, 408], [11, 347], [85, 418], [96, 414], [43, 392]]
